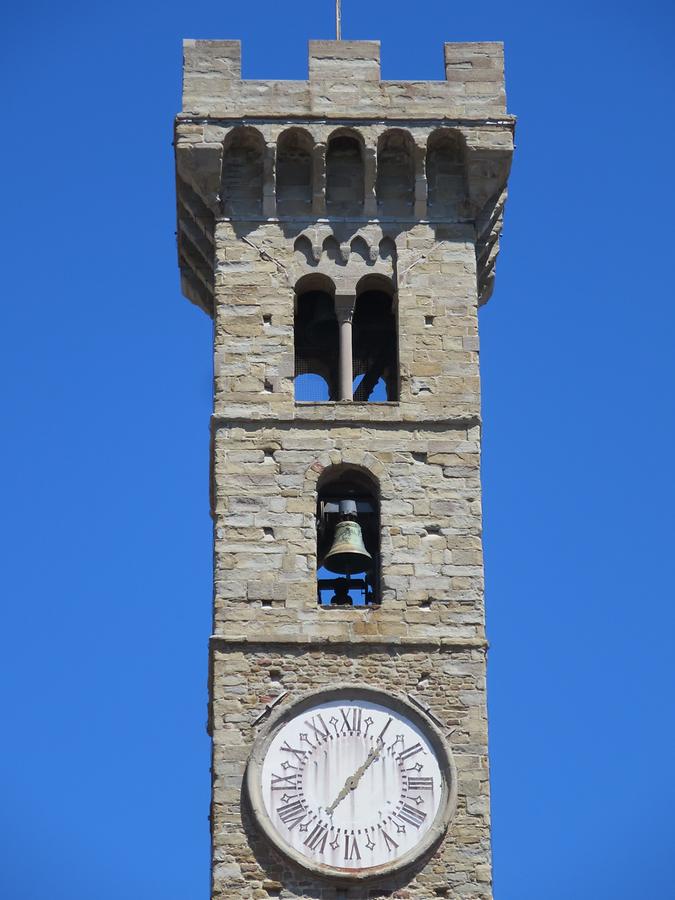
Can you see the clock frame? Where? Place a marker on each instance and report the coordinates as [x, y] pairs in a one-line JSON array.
[[398, 706]]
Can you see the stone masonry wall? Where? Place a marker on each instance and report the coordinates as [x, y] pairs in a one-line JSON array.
[[246, 677], [265, 533], [427, 637]]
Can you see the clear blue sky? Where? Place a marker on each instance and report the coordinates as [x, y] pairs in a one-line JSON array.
[[106, 379]]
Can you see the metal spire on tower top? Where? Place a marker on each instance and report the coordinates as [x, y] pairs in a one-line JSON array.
[[338, 19]]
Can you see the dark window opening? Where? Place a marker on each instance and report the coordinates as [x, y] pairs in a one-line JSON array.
[[446, 175], [375, 350], [344, 176], [242, 183], [316, 347], [348, 539], [395, 174], [294, 173]]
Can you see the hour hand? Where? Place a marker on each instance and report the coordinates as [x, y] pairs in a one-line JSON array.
[[354, 779]]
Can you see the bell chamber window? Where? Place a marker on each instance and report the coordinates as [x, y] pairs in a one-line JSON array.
[[374, 343], [346, 347], [316, 341], [347, 538]]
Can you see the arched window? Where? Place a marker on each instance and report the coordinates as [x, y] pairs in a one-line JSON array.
[[446, 174], [294, 172], [395, 174], [374, 341], [347, 538], [242, 181], [316, 340], [344, 175]]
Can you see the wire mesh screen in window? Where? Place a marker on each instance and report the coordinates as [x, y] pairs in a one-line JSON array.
[[316, 347]]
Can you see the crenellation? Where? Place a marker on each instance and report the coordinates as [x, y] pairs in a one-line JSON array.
[[344, 79]]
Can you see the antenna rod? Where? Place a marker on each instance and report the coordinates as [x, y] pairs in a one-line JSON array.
[[338, 19]]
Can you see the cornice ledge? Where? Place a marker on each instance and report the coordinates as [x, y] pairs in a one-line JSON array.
[[454, 422], [406, 642]]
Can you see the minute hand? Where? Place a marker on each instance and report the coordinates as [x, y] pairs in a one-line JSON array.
[[354, 779]]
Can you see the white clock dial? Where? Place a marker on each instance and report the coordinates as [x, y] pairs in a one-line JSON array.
[[353, 784]]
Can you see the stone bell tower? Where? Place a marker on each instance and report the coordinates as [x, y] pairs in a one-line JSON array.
[[342, 232]]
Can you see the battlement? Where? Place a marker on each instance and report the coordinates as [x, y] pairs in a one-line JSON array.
[[344, 82]]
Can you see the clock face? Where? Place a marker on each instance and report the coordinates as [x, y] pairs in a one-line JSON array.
[[353, 782]]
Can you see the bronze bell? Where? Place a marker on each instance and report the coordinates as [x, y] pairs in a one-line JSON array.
[[348, 553]]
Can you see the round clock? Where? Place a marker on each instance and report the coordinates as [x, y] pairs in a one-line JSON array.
[[352, 782]]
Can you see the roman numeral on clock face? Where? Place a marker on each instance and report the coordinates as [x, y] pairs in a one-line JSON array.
[[316, 839], [419, 784], [320, 730], [411, 815], [291, 813], [380, 736], [283, 782], [351, 847], [299, 754], [351, 722], [389, 841], [410, 752]]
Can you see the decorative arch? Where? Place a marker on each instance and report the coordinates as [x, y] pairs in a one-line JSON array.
[[315, 281], [395, 173], [303, 247], [333, 250], [375, 282], [295, 147], [359, 459], [242, 173], [446, 174], [359, 247], [388, 250]]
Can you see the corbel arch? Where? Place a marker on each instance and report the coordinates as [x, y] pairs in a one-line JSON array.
[[294, 173], [243, 171], [446, 172], [395, 173], [345, 172]]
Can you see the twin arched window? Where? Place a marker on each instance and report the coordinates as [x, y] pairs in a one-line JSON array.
[[348, 351]]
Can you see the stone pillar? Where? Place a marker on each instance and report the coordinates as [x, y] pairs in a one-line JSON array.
[[420, 160], [369, 181], [269, 180], [319, 180], [344, 310]]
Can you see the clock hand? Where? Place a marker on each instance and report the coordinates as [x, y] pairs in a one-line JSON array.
[[354, 779]]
